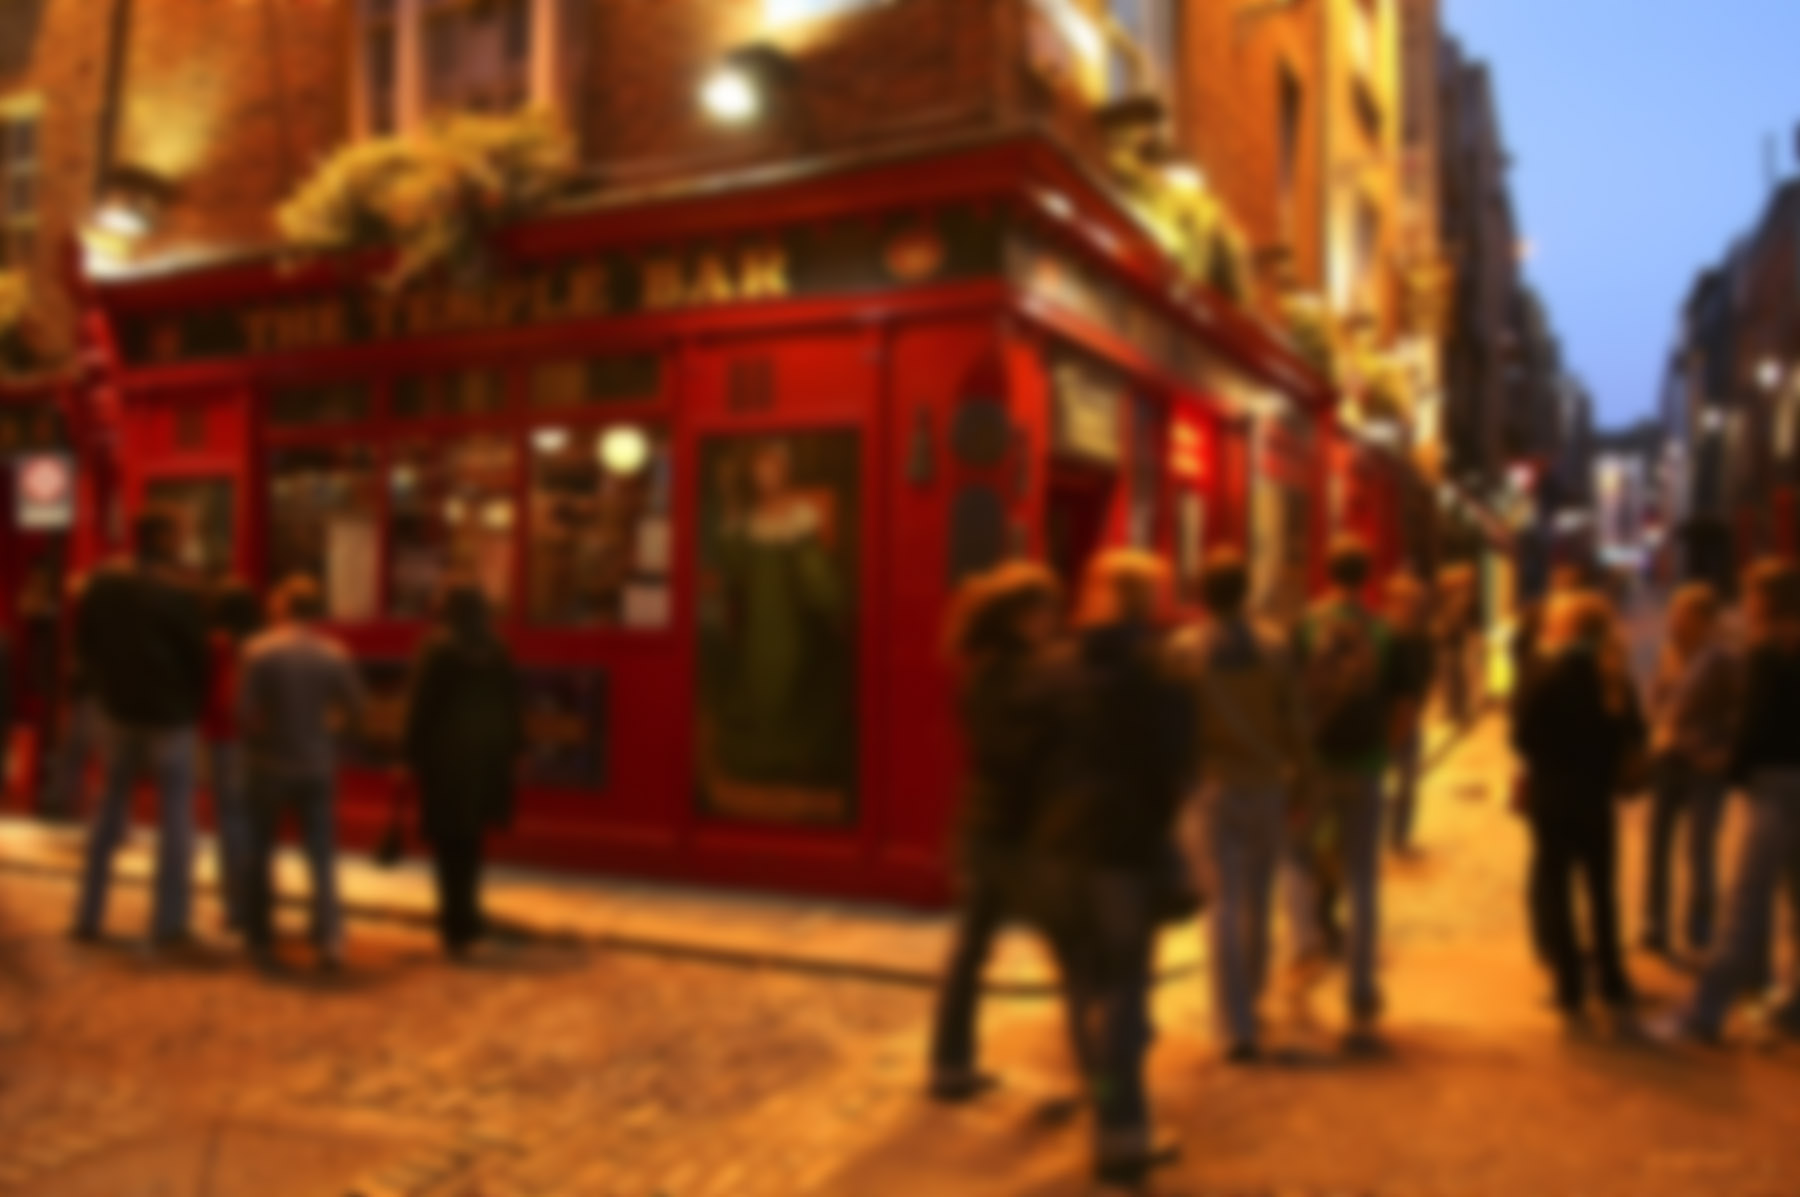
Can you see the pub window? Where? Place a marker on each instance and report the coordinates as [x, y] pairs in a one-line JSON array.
[[452, 517], [423, 58], [322, 504], [19, 152], [600, 542], [312, 405], [571, 383], [464, 393]]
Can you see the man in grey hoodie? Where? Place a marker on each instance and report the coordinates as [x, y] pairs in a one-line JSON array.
[[1252, 747]]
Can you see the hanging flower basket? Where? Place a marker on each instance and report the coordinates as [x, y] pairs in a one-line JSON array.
[[434, 197]]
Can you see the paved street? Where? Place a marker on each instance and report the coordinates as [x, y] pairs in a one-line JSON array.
[[575, 1070]]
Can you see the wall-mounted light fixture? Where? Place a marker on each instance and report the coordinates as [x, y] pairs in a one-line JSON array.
[[748, 84], [1768, 373], [132, 201]]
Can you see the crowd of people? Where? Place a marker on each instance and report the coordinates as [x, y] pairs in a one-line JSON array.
[[1125, 756], [175, 678]]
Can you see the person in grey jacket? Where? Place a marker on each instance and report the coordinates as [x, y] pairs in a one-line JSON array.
[[1693, 712], [1251, 747]]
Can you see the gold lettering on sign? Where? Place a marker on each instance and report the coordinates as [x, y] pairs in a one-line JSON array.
[[763, 273], [509, 303], [712, 282], [664, 285], [259, 330], [587, 292], [384, 315]]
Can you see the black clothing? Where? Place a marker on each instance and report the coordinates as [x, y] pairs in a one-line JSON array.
[[1572, 740], [465, 734], [1415, 665], [6, 695], [982, 915], [1768, 739], [142, 638], [1130, 755], [456, 864], [1574, 743], [1016, 719], [1566, 843]]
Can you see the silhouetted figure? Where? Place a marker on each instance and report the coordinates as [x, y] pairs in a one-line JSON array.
[[1252, 751], [298, 693], [1112, 832], [1766, 762], [465, 739], [141, 633], [236, 617], [1351, 687], [1576, 721], [1694, 712], [1013, 701]]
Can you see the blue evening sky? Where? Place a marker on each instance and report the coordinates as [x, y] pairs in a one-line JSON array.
[[1638, 129]]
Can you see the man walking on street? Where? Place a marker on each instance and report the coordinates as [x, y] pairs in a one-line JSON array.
[[1252, 747], [141, 633], [1350, 688], [298, 692]]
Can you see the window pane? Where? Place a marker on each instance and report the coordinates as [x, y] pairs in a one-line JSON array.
[[322, 503], [21, 195], [468, 393], [332, 403], [451, 517], [579, 382], [600, 530], [22, 151], [381, 50]]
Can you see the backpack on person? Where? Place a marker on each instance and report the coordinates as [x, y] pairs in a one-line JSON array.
[[1344, 654]]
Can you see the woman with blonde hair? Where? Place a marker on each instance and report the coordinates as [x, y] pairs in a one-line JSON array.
[[1013, 702], [1112, 837], [1765, 761], [1576, 722], [1693, 704]]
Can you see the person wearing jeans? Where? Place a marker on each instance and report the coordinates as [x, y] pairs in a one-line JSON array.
[[1251, 745], [298, 691], [236, 616], [1766, 761], [1694, 701], [141, 639], [1353, 692]]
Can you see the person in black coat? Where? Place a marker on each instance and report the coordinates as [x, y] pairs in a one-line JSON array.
[[1013, 707], [1576, 721], [465, 736], [1110, 833]]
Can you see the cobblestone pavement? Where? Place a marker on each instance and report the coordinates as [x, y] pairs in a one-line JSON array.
[[546, 1070]]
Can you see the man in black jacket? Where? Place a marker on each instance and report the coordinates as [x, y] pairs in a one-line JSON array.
[[141, 633]]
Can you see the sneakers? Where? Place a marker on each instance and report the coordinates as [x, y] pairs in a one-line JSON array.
[[1128, 1157], [955, 1085], [1364, 1038]]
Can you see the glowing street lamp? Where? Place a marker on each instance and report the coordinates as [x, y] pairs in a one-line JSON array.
[[731, 96]]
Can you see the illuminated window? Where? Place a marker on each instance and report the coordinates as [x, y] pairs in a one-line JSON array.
[[1364, 19], [421, 58], [18, 188], [601, 541], [452, 518], [322, 504]]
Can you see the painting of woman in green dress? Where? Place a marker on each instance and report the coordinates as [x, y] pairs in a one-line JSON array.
[[778, 628]]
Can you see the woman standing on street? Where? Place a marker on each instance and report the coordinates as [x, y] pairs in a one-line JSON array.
[[1576, 722], [1693, 712], [465, 738], [1766, 762], [1013, 703]]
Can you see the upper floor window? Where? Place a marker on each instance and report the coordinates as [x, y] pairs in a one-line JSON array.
[[1365, 19], [19, 154], [424, 57]]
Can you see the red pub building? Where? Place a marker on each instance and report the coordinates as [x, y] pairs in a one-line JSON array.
[[719, 456]]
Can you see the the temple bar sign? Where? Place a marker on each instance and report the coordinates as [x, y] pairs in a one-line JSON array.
[[816, 260]]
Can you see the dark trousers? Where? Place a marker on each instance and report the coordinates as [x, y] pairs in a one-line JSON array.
[[1567, 843], [456, 861], [310, 799], [1106, 974], [959, 993]]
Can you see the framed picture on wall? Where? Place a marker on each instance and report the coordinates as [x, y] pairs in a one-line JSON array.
[[780, 515]]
